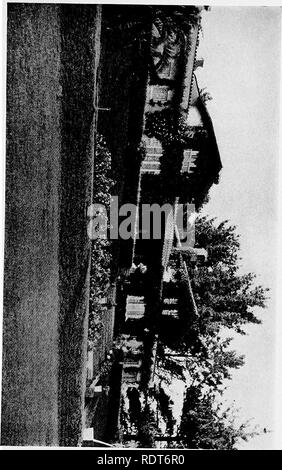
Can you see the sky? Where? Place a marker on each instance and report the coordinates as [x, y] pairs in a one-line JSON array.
[[241, 51]]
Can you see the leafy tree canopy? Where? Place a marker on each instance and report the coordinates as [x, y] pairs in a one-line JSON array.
[[224, 296]]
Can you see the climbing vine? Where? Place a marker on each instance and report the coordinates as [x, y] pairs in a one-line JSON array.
[[167, 127]]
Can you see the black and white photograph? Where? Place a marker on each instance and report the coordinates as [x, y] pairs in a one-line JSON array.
[[140, 228]]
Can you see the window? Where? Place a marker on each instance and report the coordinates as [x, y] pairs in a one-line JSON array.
[[170, 301], [154, 151], [160, 93], [152, 158], [135, 299], [189, 158], [132, 362], [131, 376], [151, 167], [168, 71], [135, 307], [153, 147], [170, 313]]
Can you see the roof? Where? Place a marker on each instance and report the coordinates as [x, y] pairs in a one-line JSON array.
[[187, 278], [189, 69], [193, 305], [208, 124]]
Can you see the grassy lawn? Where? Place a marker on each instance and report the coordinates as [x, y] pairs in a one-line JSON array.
[[74, 335]]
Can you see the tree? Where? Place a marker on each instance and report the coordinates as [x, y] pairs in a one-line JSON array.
[[172, 29], [148, 428], [224, 296], [205, 95], [173, 23], [208, 368], [206, 425]]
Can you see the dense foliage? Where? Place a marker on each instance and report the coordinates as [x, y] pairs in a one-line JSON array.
[[206, 425], [173, 22], [225, 297], [101, 248], [166, 127], [226, 300]]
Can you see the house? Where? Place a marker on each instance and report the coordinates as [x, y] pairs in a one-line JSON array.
[[181, 157], [180, 161], [201, 161]]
